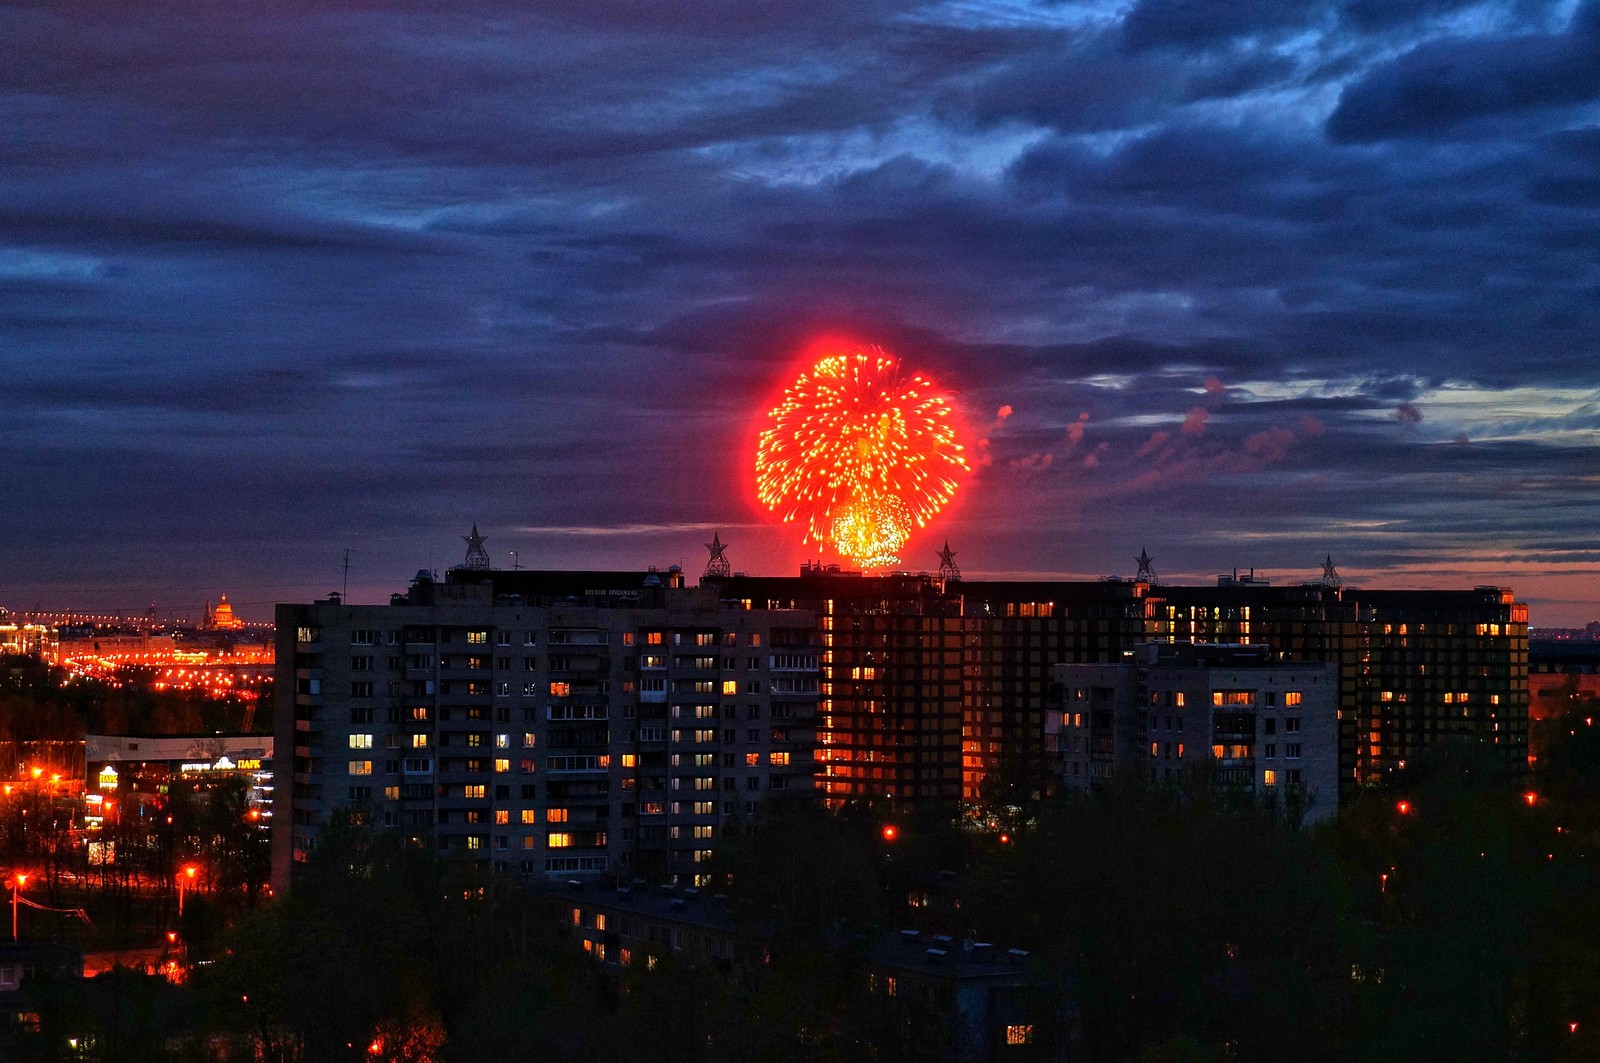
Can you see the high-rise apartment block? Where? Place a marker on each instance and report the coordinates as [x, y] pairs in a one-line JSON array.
[[907, 660], [544, 723]]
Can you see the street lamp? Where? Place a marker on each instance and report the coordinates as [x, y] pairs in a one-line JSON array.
[[18, 881], [188, 874]]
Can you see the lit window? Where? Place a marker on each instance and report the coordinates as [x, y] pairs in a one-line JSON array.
[[1292, 697], [730, 687], [559, 841], [419, 741], [778, 759], [561, 690], [478, 638], [1269, 778], [361, 767], [555, 815], [752, 759], [530, 816], [502, 764], [502, 817], [472, 790], [360, 741], [1019, 1035]]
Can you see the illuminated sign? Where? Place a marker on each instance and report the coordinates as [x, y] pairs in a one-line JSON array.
[[223, 764], [108, 778]]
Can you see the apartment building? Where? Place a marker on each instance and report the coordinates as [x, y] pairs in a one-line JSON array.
[[1230, 714], [536, 723]]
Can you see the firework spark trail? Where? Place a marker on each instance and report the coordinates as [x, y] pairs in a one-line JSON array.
[[862, 452]]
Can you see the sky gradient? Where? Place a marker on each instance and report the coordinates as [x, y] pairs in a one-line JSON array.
[[1244, 283]]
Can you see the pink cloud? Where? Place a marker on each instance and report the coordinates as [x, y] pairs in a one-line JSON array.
[[1407, 414], [1271, 445], [1310, 425], [1153, 444], [1075, 430], [1003, 412], [1214, 385], [1194, 423]]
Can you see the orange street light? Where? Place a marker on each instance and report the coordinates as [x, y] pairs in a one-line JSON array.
[[186, 878], [1403, 807], [1531, 797], [18, 880], [890, 832]]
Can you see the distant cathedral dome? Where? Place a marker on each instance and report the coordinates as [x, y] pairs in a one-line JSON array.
[[223, 619]]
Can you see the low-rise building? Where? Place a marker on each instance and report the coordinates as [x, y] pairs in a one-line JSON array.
[[986, 1001], [1255, 724]]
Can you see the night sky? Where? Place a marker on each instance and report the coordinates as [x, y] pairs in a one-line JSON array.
[[1244, 282]]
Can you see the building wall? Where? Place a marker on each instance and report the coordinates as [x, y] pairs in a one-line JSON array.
[[1259, 727]]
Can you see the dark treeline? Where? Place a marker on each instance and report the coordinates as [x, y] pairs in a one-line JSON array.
[[1449, 917]]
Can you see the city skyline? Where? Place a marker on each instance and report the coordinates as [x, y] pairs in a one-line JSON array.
[[1243, 286]]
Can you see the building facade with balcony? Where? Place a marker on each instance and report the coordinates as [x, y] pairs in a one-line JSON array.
[[1231, 714], [543, 723], [932, 687]]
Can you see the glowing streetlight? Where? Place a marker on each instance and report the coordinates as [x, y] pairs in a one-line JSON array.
[[186, 878], [1403, 807], [18, 881]]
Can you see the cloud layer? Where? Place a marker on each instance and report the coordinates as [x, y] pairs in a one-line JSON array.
[[1250, 282]]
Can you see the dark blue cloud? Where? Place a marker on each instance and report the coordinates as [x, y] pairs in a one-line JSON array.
[[1449, 87], [281, 280]]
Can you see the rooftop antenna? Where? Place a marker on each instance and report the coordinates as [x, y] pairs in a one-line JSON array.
[[1147, 572], [346, 593], [477, 556], [1330, 575], [717, 566], [514, 564], [948, 569]]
